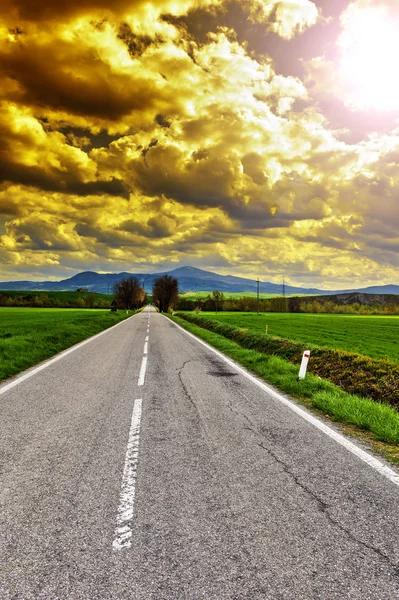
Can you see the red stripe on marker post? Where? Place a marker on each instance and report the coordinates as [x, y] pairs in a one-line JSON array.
[[304, 364]]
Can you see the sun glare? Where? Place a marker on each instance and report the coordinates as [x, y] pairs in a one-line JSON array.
[[369, 50]]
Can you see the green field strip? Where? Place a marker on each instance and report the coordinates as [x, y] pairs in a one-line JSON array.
[[374, 336], [29, 336]]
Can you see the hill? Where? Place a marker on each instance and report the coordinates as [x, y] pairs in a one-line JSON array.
[[191, 279]]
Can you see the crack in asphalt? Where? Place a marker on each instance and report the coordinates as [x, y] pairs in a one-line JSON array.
[[324, 509], [251, 426], [323, 506], [180, 376]]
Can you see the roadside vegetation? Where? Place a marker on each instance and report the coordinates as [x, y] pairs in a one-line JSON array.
[[29, 336], [379, 420], [55, 299], [234, 302], [345, 304]]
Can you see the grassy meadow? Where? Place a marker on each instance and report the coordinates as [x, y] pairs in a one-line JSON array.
[[29, 336], [374, 336]]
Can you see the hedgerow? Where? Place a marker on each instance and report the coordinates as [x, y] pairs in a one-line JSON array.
[[354, 373]]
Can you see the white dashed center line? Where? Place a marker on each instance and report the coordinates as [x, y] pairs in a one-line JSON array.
[[142, 371], [123, 531]]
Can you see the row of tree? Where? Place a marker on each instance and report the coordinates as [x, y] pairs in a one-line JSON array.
[[330, 307], [216, 302], [89, 300]]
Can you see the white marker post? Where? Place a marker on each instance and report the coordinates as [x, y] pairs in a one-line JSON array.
[[304, 364]]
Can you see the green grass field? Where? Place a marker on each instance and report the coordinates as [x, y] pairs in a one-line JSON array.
[[373, 336], [29, 336]]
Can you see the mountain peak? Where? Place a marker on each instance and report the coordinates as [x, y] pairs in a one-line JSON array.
[[188, 271]]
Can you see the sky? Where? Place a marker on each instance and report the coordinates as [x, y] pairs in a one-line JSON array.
[[257, 138]]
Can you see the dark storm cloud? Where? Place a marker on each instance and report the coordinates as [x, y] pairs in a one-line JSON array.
[[53, 182], [91, 89], [39, 10]]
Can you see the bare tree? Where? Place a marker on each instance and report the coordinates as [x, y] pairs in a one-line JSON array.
[[218, 298], [129, 293], [165, 292]]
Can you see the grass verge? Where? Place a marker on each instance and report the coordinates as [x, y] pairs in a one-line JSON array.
[[28, 336], [376, 423]]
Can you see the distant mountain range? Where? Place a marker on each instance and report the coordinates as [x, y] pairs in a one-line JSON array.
[[190, 279]]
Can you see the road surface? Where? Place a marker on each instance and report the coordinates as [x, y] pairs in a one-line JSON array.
[[143, 466]]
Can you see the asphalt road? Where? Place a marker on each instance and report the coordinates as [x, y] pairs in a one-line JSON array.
[[158, 471]]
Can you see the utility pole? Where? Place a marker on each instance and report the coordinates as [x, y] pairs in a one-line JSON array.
[[257, 296], [283, 294]]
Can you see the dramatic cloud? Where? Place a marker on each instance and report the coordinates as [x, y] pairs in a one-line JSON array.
[[230, 135], [286, 18]]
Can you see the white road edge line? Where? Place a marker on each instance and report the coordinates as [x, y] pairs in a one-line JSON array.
[[50, 361], [142, 371], [337, 437], [123, 531]]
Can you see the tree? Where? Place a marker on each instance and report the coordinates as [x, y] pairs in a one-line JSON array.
[[165, 292], [218, 298], [89, 300], [294, 304], [129, 293], [279, 304]]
